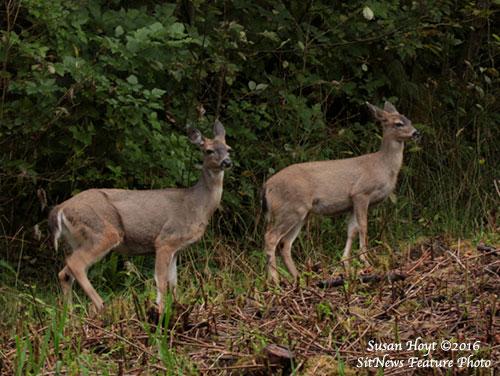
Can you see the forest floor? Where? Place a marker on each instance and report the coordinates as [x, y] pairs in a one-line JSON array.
[[435, 311]]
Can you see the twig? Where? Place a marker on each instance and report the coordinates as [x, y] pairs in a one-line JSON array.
[[392, 277], [487, 248], [229, 368]]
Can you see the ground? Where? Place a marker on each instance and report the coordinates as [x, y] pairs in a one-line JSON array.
[[431, 307]]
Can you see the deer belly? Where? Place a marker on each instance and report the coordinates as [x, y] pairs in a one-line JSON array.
[[138, 241], [380, 195], [134, 249], [329, 208]]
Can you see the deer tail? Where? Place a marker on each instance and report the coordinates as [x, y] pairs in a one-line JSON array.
[[55, 218]]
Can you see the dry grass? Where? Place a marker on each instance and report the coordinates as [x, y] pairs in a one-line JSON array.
[[450, 292]]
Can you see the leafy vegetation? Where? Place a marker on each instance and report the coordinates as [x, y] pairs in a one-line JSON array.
[[97, 94]]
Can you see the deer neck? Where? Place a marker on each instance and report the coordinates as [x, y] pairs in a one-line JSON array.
[[391, 154], [208, 190]]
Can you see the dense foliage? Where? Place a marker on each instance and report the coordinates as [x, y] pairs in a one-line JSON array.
[[98, 93]]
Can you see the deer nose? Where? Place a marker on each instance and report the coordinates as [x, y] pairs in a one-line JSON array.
[[415, 135], [226, 163]]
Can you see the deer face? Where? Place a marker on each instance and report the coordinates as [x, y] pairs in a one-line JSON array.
[[398, 127], [215, 151]]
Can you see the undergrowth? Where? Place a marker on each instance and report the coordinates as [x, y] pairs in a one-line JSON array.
[[41, 335]]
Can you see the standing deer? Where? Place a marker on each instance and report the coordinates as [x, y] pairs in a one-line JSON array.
[[139, 222], [329, 188]]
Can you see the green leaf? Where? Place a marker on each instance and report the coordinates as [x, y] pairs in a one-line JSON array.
[[119, 31], [132, 45], [158, 92], [393, 198], [177, 30], [348, 87], [7, 266], [368, 13], [132, 79], [156, 27], [271, 35], [236, 27]]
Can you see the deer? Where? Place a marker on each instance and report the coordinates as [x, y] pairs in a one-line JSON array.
[[329, 188], [140, 222]]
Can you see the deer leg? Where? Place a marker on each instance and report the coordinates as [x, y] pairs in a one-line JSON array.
[[282, 226], [83, 258], [361, 213], [78, 267], [172, 272], [66, 279], [271, 240], [352, 231], [285, 247], [165, 272]]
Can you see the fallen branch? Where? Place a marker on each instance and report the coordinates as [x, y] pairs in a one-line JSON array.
[[280, 355], [392, 277], [230, 368], [487, 248]]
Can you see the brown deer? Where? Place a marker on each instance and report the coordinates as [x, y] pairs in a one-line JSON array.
[[332, 187], [139, 222]]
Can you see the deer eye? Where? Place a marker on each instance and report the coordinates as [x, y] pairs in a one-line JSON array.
[[209, 152], [398, 124], [230, 150]]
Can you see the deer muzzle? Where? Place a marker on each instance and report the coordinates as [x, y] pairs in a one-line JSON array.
[[226, 164]]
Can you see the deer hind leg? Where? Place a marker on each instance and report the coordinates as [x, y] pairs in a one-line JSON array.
[[66, 279], [286, 229], [285, 248], [84, 257], [271, 240]]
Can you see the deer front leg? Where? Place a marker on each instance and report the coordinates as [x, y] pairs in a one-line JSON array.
[[352, 231], [172, 272], [361, 212], [165, 272]]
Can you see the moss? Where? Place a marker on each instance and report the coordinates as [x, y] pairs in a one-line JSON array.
[[326, 365], [409, 306]]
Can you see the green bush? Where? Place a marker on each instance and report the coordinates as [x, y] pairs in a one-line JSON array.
[[97, 94]]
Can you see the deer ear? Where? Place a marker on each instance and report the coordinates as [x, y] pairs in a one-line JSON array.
[[376, 112], [195, 136], [219, 130], [388, 107]]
